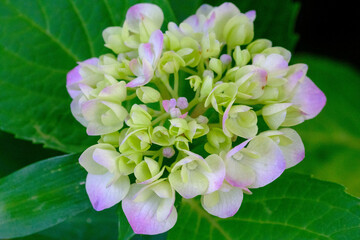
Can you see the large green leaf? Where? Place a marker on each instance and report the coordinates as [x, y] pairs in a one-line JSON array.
[[275, 20], [332, 139], [41, 195], [40, 41], [293, 207], [89, 225]]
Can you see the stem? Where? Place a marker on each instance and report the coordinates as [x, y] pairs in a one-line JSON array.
[[194, 101], [161, 157], [163, 91], [159, 118], [176, 84], [188, 70], [199, 110]]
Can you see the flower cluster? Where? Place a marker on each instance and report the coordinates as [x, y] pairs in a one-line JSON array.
[[199, 110]]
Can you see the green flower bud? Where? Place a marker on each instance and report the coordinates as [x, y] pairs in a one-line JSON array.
[[278, 50], [275, 114], [221, 96], [178, 126], [195, 82], [171, 62], [294, 116], [242, 121], [239, 30], [217, 141], [135, 141], [110, 138], [270, 95], [182, 143], [115, 93], [171, 41], [148, 94], [250, 81], [111, 66], [242, 57], [115, 38], [216, 65], [207, 85], [189, 51], [160, 136], [196, 129], [127, 162], [147, 171], [210, 46], [258, 46], [139, 118]]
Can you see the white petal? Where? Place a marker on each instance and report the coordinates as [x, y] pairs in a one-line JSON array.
[[104, 193], [223, 203]]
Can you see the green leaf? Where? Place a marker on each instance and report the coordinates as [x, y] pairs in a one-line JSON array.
[[89, 225], [293, 207], [275, 20], [41, 195], [332, 139], [12, 159], [40, 41]]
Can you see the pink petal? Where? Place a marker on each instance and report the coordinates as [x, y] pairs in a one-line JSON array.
[[143, 215], [74, 77], [157, 41], [310, 98], [101, 194], [146, 52], [182, 102], [251, 15]]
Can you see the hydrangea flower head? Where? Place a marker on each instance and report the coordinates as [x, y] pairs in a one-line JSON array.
[[179, 111]]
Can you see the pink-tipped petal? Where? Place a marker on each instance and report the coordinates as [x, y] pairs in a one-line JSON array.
[[237, 148], [144, 12], [251, 15], [101, 194], [157, 42], [153, 215], [223, 203], [310, 98], [146, 52]]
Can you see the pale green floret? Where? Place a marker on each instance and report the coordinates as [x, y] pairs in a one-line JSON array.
[[195, 82], [108, 64], [239, 30], [210, 47], [217, 141], [278, 50], [242, 121], [139, 117], [216, 65], [171, 62], [128, 162], [148, 94], [147, 170], [207, 84], [258, 46], [178, 126], [241, 57], [116, 39], [135, 141], [110, 138], [221, 96], [182, 143], [275, 114], [160, 136]]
